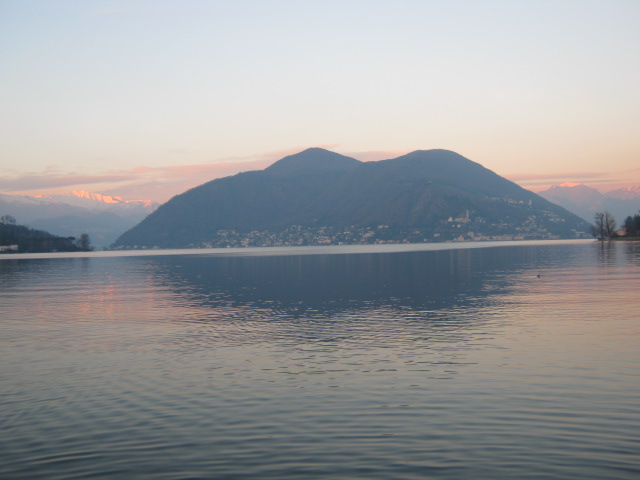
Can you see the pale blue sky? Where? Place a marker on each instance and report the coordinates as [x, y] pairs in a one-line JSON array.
[[146, 98]]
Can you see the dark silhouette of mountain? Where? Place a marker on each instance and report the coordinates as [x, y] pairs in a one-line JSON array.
[[585, 201], [320, 197], [312, 161]]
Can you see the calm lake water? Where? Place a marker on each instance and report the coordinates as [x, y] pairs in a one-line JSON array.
[[504, 361]]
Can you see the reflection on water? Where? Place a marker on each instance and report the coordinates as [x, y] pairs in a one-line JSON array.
[[467, 363], [330, 283]]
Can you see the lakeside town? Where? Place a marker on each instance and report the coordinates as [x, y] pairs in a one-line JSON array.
[[459, 229], [17, 238]]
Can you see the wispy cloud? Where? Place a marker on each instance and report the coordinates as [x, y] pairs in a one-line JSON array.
[[53, 180], [532, 177], [138, 182], [598, 180], [162, 183]]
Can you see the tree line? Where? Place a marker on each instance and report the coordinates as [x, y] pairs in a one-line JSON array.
[[604, 227], [22, 239]]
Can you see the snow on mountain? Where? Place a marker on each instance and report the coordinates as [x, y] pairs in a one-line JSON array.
[[103, 217], [625, 193], [585, 201], [92, 200]]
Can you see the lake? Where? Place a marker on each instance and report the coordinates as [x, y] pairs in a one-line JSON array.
[[508, 360]]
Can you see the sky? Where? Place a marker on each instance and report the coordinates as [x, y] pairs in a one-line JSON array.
[[147, 98]]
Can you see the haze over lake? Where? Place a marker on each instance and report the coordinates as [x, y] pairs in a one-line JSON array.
[[511, 360]]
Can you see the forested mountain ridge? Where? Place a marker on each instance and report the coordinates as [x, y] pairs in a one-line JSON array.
[[321, 197]]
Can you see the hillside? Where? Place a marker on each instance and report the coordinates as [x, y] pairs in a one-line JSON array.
[[321, 197]]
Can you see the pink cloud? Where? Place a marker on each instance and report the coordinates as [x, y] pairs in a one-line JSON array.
[[51, 180], [161, 183], [528, 177], [138, 182]]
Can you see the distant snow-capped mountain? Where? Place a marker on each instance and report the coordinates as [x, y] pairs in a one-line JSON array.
[[625, 193], [91, 200], [103, 217], [585, 201]]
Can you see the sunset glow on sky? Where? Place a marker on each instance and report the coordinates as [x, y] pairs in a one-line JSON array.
[[146, 98]]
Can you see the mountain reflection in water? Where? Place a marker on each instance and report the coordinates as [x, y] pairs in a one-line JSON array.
[[341, 296], [328, 284]]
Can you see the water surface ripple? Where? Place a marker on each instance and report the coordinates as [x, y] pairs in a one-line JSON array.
[[503, 362]]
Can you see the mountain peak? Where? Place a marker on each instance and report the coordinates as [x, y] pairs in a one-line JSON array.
[[435, 151], [625, 193], [93, 196], [585, 201], [86, 199], [573, 187], [312, 160], [438, 156], [103, 217]]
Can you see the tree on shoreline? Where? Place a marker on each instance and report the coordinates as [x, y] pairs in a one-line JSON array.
[[84, 243], [632, 225], [605, 226]]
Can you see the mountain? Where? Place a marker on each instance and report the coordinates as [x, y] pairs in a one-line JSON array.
[[625, 193], [103, 217], [312, 161], [585, 201], [98, 201], [321, 197]]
